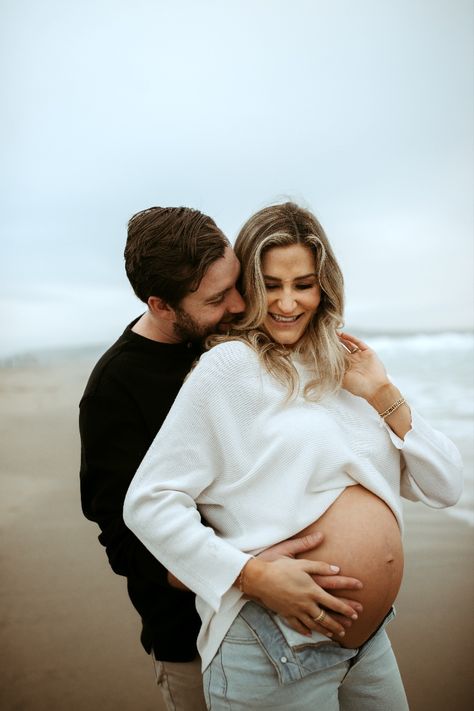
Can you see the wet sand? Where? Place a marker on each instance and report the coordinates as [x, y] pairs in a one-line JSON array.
[[69, 633]]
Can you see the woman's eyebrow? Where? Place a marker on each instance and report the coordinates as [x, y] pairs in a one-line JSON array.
[[303, 276]]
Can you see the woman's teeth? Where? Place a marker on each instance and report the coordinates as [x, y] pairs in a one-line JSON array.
[[285, 319]]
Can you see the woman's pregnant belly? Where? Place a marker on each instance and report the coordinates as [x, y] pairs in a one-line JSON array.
[[362, 537]]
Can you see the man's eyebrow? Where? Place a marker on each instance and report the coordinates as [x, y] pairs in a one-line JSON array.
[[303, 276]]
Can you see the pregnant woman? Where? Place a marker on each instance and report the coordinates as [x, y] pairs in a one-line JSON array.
[[287, 425]]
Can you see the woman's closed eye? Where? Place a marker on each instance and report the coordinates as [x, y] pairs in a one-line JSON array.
[[300, 287]]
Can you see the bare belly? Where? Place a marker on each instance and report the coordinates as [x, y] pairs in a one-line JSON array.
[[362, 537]]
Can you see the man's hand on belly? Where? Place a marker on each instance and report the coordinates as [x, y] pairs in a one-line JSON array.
[[292, 547]]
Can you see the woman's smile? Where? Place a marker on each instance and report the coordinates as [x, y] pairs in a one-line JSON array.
[[284, 319]]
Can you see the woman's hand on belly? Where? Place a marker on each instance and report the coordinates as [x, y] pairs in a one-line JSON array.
[[287, 587], [298, 547]]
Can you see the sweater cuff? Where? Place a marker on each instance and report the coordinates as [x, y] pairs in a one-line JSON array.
[[216, 577]]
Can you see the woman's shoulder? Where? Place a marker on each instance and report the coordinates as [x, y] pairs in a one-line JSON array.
[[229, 354], [227, 367]]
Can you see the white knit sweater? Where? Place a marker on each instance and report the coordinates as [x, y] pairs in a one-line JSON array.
[[259, 469]]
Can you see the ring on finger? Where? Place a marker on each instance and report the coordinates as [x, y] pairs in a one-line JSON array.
[[320, 617]]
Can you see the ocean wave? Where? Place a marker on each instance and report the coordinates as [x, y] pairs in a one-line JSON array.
[[423, 342]]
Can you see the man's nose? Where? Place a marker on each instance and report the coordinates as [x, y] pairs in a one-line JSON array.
[[235, 303]]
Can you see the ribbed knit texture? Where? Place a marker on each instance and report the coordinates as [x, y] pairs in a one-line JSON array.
[[260, 469]]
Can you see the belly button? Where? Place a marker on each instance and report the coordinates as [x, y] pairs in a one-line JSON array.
[[390, 558]]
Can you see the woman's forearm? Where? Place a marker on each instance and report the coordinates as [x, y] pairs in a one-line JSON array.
[[384, 398], [168, 524]]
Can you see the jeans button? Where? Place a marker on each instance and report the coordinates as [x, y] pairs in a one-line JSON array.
[[283, 660]]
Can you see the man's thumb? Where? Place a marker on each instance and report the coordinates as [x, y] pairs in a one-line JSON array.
[[295, 546]]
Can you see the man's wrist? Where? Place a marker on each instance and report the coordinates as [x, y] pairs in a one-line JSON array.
[[174, 582]]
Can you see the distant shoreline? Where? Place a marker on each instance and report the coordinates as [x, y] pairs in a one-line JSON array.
[[55, 354]]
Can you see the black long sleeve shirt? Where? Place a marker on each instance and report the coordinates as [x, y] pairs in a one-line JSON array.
[[126, 400]]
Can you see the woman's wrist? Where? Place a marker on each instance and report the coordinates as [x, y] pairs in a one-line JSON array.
[[249, 576], [384, 397]]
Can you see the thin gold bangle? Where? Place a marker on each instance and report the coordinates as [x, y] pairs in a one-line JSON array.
[[390, 410], [240, 578]]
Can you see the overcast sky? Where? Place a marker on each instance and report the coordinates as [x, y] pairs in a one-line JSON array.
[[361, 110]]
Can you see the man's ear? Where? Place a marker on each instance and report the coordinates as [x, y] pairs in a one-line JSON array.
[[161, 308]]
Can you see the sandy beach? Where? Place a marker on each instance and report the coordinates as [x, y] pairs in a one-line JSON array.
[[69, 633]]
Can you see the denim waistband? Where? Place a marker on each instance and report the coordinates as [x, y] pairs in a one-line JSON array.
[[296, 656]]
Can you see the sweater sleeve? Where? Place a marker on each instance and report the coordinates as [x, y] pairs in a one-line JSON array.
[[174, 475], [431, 466]]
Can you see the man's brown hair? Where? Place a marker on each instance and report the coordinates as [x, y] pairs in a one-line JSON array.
[[168, 251]]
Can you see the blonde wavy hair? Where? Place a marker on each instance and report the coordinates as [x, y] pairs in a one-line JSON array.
[[319, 347]]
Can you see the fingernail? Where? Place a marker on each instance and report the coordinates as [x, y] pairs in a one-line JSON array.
[[335, 568], [328, 634], [342, 634], [355, 616]]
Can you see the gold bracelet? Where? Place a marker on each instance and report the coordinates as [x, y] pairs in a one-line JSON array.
[[240, 578], [390, 410]]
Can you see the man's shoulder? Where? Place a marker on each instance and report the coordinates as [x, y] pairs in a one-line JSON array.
[[134, 364], [112, 361]]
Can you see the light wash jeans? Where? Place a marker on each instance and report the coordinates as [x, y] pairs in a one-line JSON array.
[[180, 684], [263, 664]]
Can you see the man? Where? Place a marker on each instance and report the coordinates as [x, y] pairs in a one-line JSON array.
[[181, 265]]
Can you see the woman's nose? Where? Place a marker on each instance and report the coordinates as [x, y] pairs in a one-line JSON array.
[[286, 302]]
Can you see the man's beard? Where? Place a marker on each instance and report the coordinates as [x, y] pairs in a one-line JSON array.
[[187, 329]]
